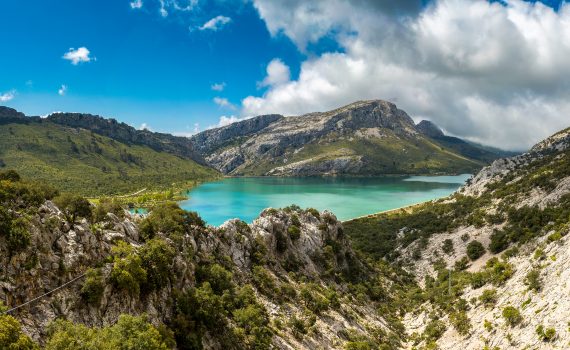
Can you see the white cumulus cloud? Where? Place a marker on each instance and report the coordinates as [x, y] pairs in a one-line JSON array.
[[218, 86], [215, 23], [82, 54], [7, 96], [277, 73], [62, 90], [495, 73], [136, 4], [224, 102]]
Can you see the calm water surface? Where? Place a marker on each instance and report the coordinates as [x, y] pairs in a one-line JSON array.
[[348, 198]]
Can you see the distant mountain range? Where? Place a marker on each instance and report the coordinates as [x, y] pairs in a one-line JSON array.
[[93, 155], [363, 138]]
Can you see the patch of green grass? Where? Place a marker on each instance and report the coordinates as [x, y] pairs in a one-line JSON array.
[[82, 162]]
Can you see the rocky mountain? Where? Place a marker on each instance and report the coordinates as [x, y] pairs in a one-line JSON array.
[[484, 268], [363, 138], [492, 260], [94, 156], [290, 280]]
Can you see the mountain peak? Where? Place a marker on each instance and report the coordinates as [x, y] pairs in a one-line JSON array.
[[428, 128]]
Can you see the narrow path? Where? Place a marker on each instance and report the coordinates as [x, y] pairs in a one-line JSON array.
[[132, 194]]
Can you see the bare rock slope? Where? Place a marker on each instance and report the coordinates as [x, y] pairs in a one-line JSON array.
[[363, 138]]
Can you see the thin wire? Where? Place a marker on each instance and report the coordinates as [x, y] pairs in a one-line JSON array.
[[44, 295]]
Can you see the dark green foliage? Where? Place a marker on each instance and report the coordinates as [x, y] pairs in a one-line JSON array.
[[264, 280], [217, 276], [313, 299], [434, 330], [488, 298], [447, 246], [127, 273], [294, 232], [10, 175], [475, 250], [546, 335], [156, 259], [129, 333], [462, 264], [512, 316], [377, 235], [106, 206], [499, 241], [460, 322], [200, 309], [170, 219], [93, 287], [533, 280], [74, 207]]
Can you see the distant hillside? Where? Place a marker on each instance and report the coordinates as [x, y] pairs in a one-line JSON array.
[[363, 138], [93, 156], [493, 258]]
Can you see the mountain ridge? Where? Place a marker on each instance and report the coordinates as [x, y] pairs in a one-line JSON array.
[[344, 141]]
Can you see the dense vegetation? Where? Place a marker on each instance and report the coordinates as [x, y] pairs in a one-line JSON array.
[[86, 163]]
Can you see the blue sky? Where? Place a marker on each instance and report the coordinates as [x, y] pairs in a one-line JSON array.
[[145, 68], [154, 62]]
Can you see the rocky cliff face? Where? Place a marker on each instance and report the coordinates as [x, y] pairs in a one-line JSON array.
[[366, 137], [298, 262]]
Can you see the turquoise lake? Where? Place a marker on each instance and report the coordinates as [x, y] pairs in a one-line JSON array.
[[347, 198]]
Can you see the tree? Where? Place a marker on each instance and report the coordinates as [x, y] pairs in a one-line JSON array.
[[129, 333], [73, 207], [512, 316], [11, 335], [475, 250], [156, 259]]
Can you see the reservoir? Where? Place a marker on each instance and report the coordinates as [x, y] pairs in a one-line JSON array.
[[346, 197]]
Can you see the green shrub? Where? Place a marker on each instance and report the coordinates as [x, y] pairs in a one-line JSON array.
[[156, 259], [18, 235], [130, 332], [93, 287], [475, 250], [313, 299], [499, 241], [434, 330], [127, 273], [217, 276], [447, 246], [488, 298], [169, 218], [547, 334], [294, 232], [533, 280], [11, 335], [461, 264], [264, 280], [314, 212], [74, 207], [512, 316], [106, 206], [488, 325], [460, 322]]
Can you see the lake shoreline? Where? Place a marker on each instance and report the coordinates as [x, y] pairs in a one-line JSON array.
[[348, 198]]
